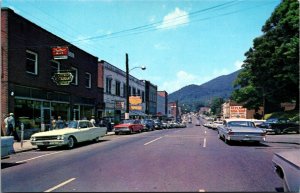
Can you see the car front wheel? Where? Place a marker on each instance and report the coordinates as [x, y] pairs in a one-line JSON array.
[[71, 142]]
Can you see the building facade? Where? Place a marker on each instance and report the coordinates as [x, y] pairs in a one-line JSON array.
[[114, 81], [32, 84], [151, 98], [162, 103], [232, 109]]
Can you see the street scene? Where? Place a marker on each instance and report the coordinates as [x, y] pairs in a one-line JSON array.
[[190, 159], [150, 96]]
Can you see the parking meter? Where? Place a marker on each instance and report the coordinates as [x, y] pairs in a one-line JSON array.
[[22, 134]]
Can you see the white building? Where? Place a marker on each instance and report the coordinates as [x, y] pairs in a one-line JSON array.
[[114, 81]]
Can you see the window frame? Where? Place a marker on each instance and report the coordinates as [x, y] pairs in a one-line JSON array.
[[89, 79], [35, 62], [75, 76]]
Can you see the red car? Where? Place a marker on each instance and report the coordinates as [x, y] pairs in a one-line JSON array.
[[129, 126]]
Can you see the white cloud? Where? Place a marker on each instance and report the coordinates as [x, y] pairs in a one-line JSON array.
[[182, 79], [238, 64], [174, 19]]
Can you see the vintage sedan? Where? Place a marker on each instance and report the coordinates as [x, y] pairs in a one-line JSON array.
[[129, 126], [287, 166], [74, 132], [240, 130]]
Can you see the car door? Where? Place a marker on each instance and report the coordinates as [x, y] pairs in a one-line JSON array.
[[84, 131]]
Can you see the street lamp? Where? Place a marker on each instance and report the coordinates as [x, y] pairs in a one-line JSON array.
[[127, 84]]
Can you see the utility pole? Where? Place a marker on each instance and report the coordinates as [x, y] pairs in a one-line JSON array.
[[127, 88]]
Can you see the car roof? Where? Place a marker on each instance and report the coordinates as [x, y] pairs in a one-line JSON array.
[[227, 120]]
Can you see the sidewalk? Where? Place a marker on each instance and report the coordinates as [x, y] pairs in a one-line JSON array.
[[18, 147]]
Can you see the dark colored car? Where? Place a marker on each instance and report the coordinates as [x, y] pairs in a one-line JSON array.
[[280, 125], [149, 124]]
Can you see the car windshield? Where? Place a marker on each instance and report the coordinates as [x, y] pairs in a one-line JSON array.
[[73, 124], [273, 120], [240, 124]]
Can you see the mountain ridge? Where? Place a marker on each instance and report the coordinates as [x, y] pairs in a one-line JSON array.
[[221, 86]]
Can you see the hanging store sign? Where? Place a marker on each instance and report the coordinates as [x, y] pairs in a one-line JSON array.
[[135, 100], [63, 78], [136, 107], [59, 53]]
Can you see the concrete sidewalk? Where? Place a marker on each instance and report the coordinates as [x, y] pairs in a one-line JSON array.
[[26, 145]]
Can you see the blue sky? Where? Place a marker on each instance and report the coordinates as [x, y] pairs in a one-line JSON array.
[[180, 42]]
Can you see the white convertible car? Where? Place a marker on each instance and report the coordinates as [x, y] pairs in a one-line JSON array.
[[76, 131]]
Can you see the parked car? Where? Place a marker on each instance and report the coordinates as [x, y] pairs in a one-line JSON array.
[[158, 124], [75, 132], [257, 122], [215, 124], [287, 167], [240, 130], [149, 125], [279, 126], [165, 125], [129, 126]]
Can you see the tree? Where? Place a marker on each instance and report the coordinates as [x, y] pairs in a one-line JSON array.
[[216, 105], [270, 71]]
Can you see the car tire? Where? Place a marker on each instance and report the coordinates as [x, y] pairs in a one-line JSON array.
[[277, 131], [71, 142], [228, 142], [42, 147], [96, 139], [116, 133]]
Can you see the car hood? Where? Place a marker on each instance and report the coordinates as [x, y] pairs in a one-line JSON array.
[[55, 132], [246, 129]]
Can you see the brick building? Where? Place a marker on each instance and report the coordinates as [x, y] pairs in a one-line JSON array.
[[28, 67]]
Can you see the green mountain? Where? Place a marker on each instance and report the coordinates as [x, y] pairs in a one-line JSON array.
[[221, 86]]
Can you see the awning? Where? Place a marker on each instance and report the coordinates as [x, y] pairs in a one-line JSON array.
[[137, 113]]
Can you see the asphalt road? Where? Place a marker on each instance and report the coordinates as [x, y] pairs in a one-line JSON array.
[[189, 159]]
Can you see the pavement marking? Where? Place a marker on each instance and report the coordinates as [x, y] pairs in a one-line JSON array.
[[152, 141], [38, 157], [60, 185], [204, 142]]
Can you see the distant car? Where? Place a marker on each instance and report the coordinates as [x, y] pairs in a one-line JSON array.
[[287, 167], [215, 124], [257, 122], [198, 122], [279, 126], [149, 124], [129, 126], [158, 124], [75, 132], [240, 130]]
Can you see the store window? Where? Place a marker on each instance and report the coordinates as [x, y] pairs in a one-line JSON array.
[[88, 80], [86, 112], [31, 62], [28, 112]]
